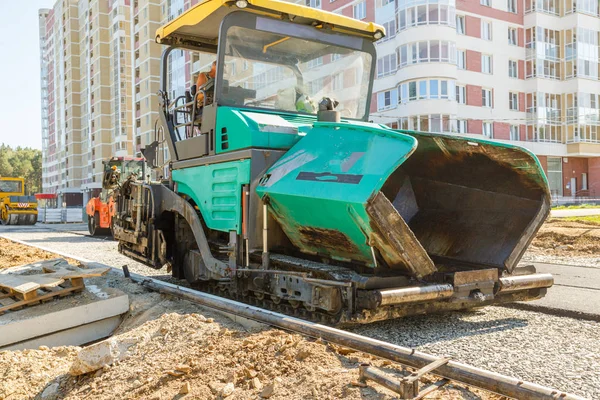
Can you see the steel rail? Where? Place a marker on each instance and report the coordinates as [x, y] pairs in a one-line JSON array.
[[487, 380], [456, 371]]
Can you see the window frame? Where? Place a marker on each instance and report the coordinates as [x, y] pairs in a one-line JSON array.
[[489, 124], [490, 69], [490, 102], [463, 25], [513, 39], [361, 7], [513, 101], [515, 69], [488, 35]]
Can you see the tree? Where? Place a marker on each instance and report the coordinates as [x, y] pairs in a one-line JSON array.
[[22, 163]]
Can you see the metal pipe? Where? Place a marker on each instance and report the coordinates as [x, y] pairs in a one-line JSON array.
[[265, 254], [493, 382], [369, 373], [517, 283], [414, 294], [138, 207]]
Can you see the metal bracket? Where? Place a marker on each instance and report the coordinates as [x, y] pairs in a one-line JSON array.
[[408, 386]]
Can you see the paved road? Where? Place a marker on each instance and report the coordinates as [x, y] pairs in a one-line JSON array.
[[580, 212], [576, 289]]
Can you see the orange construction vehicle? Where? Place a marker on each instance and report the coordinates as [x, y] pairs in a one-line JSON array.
[[100, 210]]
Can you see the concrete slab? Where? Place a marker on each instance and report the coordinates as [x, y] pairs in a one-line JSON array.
[[44, 320], [77, 336]]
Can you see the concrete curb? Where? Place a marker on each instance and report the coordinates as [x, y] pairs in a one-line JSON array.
[[248, 324]]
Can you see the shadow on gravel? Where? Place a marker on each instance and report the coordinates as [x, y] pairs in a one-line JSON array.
[[426, 329]]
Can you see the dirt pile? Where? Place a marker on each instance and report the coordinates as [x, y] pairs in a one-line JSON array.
[[560, 237], [191, 356], [13, 254]]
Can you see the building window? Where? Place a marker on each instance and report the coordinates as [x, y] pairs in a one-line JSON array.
[[313, 3], [433, 13], [461, 59], [485, 2], [512, 36], [486, 63], [315, 62], [337, 81], [386, 65], [387, 99], [486, 97], [427, 51], [514, 132], [513, 71], [390, 30], [486, 30], [461, 126], [427, 89], [460, 24], [428, 123], [555, 175], [360, 10], [584, 181], [461, 94], [512, 6], [513, 101], [488, 130]]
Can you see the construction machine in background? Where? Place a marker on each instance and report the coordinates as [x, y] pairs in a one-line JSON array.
[[101, 209], [281, 193], [15, 207]]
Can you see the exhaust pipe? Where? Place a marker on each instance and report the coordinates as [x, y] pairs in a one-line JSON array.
[[414, 294], [524, 282], [417, 294]]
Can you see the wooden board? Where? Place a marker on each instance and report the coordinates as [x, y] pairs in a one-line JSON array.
[[74, 272], [10, 304], [28, 283]]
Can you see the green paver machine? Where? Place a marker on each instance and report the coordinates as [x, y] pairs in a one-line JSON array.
[[282, 194]]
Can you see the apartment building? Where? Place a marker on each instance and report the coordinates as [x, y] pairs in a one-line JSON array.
[[183, 66], [524, 72], [86, 93], [520, 72]]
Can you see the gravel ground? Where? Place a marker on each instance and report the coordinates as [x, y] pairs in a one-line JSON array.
[[560, 352], [582, 261]]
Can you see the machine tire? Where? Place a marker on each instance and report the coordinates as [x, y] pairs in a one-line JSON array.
[[112, 227], [91, 225], [6, 221]]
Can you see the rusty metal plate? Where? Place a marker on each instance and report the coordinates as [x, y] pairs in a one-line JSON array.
[[467, 277]]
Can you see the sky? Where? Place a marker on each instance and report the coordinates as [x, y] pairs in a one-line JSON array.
[[20, 114]]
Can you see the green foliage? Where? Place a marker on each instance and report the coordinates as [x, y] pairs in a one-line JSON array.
[[588, 220], [22, 162]]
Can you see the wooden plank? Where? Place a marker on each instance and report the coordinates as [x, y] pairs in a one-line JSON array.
[[7, 301], [431, 388], [28, 283], [37, 299], [18, 283], [78, 273]]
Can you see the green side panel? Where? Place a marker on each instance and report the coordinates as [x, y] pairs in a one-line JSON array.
[[216, 189], [319, 189], [241, 129]]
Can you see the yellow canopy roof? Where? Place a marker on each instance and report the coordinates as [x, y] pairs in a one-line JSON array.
[[200, 24]]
